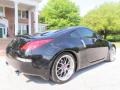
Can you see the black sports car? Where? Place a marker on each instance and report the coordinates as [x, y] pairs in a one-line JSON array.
[[57, 55]]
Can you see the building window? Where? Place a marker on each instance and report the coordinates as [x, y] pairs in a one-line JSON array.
[[22, 14], [2, 11], [23, 29], [19, 14]]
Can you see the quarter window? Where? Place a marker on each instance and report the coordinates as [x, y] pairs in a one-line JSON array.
[[75, 34]]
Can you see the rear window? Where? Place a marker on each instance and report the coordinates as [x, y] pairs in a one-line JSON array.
[[51, 33], [43, 34]]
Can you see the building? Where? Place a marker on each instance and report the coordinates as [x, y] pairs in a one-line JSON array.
[[18, 17]]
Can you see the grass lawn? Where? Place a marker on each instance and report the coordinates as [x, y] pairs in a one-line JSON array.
[[117, 44]]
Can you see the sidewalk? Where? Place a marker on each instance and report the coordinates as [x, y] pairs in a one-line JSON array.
[[3, 45]]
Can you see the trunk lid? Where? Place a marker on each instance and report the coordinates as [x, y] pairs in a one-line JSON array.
[[14, 46], [18, 41], [22, 39]]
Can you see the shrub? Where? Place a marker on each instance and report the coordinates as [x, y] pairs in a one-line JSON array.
[[113, 38]]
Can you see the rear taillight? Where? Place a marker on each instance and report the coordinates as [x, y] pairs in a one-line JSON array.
[[35, 44]]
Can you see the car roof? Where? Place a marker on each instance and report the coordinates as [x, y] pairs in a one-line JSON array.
[[56, 33], [68, 29]]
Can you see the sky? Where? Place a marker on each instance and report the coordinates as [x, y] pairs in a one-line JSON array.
[[84, 5]]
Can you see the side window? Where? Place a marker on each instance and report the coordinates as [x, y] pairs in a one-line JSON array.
[[86, 33]]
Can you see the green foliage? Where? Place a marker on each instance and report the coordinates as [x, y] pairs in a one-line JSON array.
[[113, 38], [59, 14], [105, 18]]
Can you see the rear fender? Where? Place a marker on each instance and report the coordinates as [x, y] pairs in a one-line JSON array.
[[74, 53]]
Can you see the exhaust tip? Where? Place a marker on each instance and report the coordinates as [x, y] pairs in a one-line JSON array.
[[17, 72], [6, 63]]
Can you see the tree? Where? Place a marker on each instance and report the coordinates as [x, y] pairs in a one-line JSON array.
[[59, 14], [105, 19]]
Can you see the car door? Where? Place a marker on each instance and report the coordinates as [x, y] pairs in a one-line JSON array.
[[96, 48], [78, 44]]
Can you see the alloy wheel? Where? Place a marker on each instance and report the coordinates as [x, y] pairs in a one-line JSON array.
[[65, 67], [112, 54]]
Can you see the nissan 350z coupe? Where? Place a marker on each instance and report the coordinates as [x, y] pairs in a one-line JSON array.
[[57, 55]]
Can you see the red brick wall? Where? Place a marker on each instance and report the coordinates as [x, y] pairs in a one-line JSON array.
[[9, 13]]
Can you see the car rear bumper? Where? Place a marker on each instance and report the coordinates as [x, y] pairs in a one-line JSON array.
[[26, 66]]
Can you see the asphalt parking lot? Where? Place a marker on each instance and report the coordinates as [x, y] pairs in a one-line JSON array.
[[103, 76]]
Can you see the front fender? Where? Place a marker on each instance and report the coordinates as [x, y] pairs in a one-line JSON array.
[[111, 45]]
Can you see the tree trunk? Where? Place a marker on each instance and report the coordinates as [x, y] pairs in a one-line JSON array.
[[105, 34]]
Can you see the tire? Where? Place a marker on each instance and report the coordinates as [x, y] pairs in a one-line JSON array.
[[112, 54], [63, 68]]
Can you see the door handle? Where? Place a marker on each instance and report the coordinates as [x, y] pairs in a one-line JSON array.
[[83, 43]]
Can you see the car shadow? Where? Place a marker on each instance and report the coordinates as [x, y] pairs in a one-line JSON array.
[[82, 71], [39, 80]]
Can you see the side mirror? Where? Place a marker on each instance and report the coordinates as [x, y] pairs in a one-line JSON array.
[[100, 37]]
